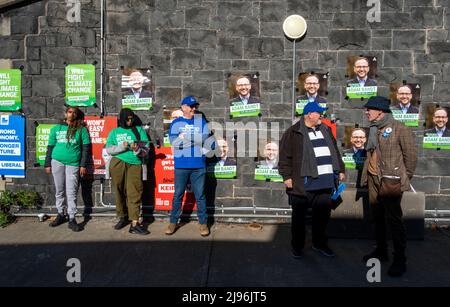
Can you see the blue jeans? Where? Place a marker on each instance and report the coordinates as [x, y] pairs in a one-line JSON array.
[[197, 178]]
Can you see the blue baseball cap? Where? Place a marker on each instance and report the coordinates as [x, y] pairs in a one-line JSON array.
[[189, 100], [313, 107]]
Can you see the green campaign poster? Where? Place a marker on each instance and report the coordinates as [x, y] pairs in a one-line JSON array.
[[10, 90], [222, 172], [267, 174], [434, 141], [243, 110], [301, 103], [42, 135], [409, 119], [80, 85], [352, 162], [357, 91]]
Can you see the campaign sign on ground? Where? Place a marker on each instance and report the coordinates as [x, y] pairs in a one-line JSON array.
[[10, 90], [164, 182], [80, 85], [99, 128], [12, 146], [42, 135]]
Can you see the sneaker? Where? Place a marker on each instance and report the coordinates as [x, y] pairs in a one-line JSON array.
[[297, 254], [204, 230], [138, 230], [122, 223], [60, 219], [74, 225], [397, 269], [325, 250], [379, 254], [171, 229]]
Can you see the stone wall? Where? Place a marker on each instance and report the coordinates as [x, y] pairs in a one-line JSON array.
[[192, 46]]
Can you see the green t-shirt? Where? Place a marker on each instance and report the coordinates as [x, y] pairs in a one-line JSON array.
[[68, 153], [119, 135]]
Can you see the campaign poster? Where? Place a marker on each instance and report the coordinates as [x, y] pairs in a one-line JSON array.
[[223, 165], [10, 89], [12, 146], [436, 133], [354, 153], [266, 168], [99, 128], [137, 89], [169, 114], [80, 85], [405, 99], [42, 136], [361, 71], [244, 95], [165, 182], [312, 87]]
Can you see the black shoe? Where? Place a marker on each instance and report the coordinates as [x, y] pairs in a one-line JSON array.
[[122, 223], [74, 225], [138, 229], [397, 269], [379, 254], [324, 250], [297, 254], [60, 219]]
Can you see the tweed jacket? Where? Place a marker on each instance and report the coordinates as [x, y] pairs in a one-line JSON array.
[[397, 154]]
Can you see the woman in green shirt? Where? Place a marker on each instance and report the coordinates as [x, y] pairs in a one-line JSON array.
[[128, 146], [67, 155]]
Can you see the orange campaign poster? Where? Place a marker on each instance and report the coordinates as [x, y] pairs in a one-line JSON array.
[[99, 128], [164, 187], [330, 124]]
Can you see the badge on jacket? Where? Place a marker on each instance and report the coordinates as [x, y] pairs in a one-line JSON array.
[[387, 132]]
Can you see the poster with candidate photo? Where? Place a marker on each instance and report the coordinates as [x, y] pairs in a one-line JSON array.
[[405, 99], [311, 87], [361, 72], [354, 142], [137, 89], [223, 165], [244, 95], [436, 133], [266, 168], [169, 115]]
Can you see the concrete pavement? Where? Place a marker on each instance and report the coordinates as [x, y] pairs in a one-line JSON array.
[[234, 255]]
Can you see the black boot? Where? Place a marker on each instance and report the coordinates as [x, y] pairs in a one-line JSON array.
[[378, 253], [74, 225], [60, 219], [122, 223], [398, 266], [138, 229]]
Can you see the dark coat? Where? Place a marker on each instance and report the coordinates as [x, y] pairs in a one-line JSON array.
[[319, 99], [434, 131], [369, 82], [251, 99], [290, 159], [411, 110]]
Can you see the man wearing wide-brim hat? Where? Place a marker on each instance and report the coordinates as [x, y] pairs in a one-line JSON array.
[[388, 169]]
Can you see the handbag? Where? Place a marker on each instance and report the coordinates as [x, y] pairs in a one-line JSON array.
[[390, 187]]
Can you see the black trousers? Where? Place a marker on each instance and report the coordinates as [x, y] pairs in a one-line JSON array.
[[387, 211], [320, 203]]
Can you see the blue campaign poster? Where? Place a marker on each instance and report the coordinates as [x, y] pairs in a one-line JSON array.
[[12, 146]]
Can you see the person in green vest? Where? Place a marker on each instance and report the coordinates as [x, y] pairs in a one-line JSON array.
[[128, 146], [67, 156]]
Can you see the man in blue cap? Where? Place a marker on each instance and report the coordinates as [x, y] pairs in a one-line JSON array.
[[310, 164], [388, 170], [187, 135]]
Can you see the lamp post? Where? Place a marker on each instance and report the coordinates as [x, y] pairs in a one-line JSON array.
[[294, 27]]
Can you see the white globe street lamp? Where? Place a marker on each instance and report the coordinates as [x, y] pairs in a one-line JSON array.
[[294, 27]]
